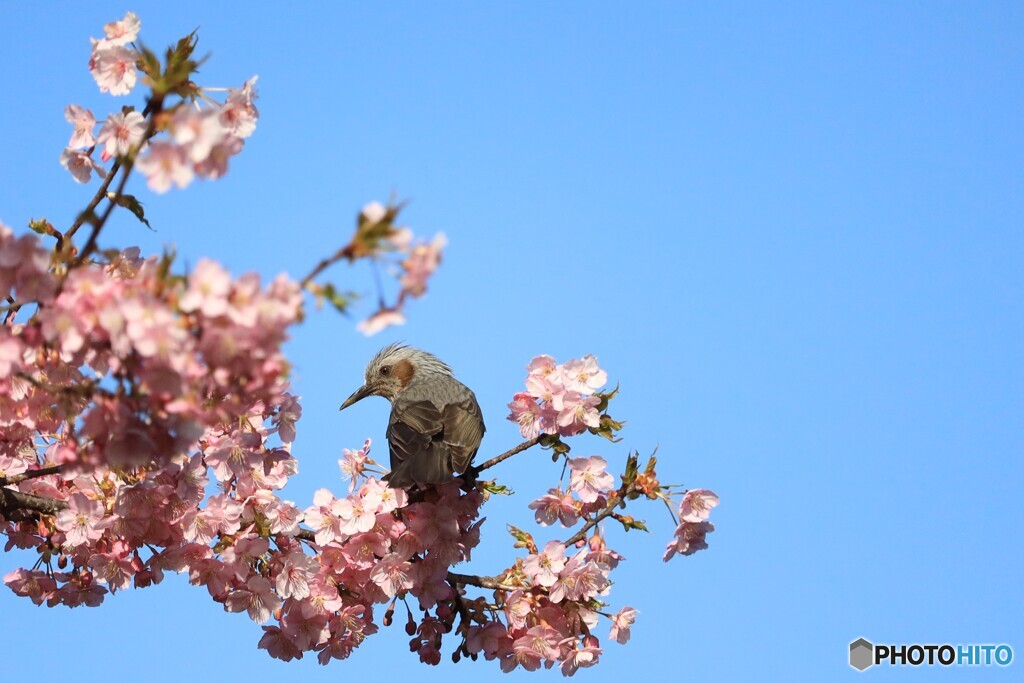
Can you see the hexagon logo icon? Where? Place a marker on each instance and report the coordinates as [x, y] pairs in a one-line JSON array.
[[862, 654]]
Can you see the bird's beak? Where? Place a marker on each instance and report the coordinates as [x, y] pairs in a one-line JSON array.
[[357, 395]]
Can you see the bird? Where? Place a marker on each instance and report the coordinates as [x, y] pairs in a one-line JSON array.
[[436, 424]]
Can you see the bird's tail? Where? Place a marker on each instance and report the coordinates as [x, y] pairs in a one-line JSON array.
[[427, 467]]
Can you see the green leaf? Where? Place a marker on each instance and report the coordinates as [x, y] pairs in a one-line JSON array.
[[632, 468], [607, 428], [628, 523], [493, 487], [149, 64], [129, 202], [554, 442], [340, 300], [41, 226], [605, 398], [523, 539]]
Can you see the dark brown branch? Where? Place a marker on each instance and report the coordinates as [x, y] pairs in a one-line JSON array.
[[32, 474], [344, 252], [15, 505], [478, 581], [476, 469], [90, 244], [97, 198]]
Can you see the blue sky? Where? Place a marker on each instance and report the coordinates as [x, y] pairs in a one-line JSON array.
[[792, 233]]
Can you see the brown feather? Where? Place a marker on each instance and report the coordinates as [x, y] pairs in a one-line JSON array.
[[403, 371]]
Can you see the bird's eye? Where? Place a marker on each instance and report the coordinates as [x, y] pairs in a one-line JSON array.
[[385, 370]]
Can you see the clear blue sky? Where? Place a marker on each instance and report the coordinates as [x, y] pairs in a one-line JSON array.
[[793, 234]]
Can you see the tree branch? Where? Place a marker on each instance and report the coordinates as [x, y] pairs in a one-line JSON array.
[[31, 474], [476, 469], [479, 581], [91, 207], [15, 505], [324, 264]]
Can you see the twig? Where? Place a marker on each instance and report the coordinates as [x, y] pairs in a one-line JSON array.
[[100, 194], [478, 581], [609, 509], [90, 244], [476, 469], [324, 264]]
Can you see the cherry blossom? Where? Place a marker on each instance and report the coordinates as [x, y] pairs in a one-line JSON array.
[[165, 164], [621, 624], [83, 121], [80, 520], [123, 31], [81, 165], [589, 480], [121, 133], [696, 505], [113, 67]]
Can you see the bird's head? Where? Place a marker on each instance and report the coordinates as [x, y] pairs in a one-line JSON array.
[[394, 368]]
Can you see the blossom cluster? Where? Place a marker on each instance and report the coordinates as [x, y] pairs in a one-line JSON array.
[[556, 595], [418, 261], [202, 133], [691, 533], [559, 399], [147, 425]]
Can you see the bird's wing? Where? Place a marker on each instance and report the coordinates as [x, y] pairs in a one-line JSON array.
[[412, 428], [463, 431]]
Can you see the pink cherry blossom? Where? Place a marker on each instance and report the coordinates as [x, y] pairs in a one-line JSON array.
[[584, 375], [208, 289], [589, 480], [356, 514], [124, 30], [543, 567], [295, 574], [238, 116], [382, 319], [36, 585], [114, 67], [321, 519], [555, 505], [696, 505], [165, 164], [527, 413], [582, 655], [256, 597], [392, 574], [539, 642], [199, 130], [545, 390], [688, 539], [287, 415], [621, 624], [423, 260], [215, 164], [83, 121], [544, 366], [279, 644], [80, 522], [121, 133], [81, 165], [578, 413]]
